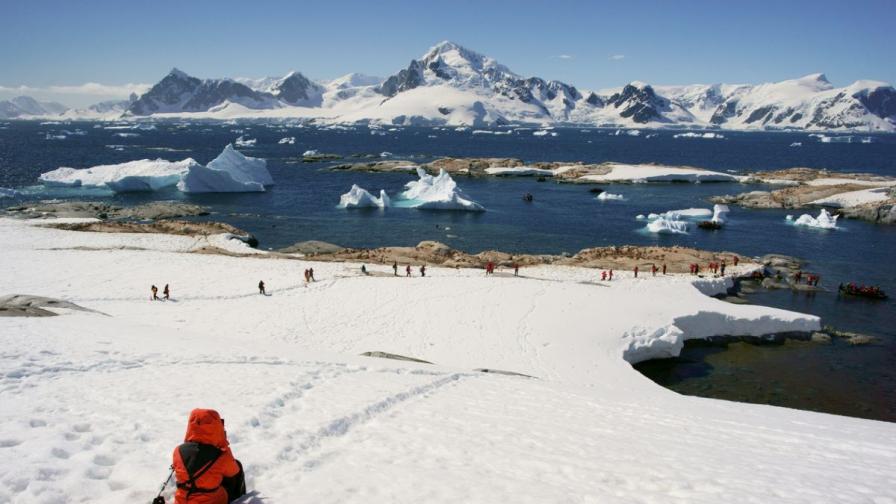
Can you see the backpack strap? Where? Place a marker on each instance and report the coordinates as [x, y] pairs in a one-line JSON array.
[[198, 458]]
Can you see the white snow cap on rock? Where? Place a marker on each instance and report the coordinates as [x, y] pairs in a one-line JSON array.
[[437, 193], [824, 220], [359, 197], [229, 172]]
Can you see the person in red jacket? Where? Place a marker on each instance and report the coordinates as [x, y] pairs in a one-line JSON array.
[[204, 467]]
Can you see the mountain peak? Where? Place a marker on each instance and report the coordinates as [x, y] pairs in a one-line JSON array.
[[176, 72]]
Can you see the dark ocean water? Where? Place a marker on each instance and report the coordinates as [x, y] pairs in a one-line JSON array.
[[301, 206]]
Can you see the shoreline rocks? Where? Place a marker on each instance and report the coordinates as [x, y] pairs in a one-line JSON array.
[[97, 210]]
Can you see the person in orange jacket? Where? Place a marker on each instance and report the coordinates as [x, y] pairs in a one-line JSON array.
[[204, 467]]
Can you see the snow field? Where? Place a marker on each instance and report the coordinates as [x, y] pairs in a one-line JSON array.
[[94, 404]]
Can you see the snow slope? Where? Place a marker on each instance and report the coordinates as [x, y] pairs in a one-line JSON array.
[[94, 403]]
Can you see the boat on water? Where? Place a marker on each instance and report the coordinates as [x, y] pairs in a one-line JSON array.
[[865, 292]]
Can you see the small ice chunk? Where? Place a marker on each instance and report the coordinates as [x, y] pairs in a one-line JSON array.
[[245, 142], [287, 140], [605, 196]]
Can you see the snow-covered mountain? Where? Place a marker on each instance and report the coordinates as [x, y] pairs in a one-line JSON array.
[[23, 106], [453, 85]]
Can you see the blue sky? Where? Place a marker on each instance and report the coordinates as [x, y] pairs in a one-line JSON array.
[[54, 47]]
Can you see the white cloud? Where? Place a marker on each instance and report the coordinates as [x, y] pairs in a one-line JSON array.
[[88, 88], [76, 95], [617, 57], [566, 56]]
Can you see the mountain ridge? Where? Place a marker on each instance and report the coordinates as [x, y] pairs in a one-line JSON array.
[[456, 86]]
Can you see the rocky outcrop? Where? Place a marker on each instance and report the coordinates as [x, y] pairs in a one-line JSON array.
[[20, 305], [96, 210], [883, 213]]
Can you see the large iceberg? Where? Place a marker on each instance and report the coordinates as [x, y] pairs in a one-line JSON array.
[[824, 220], [358, 197], [229, 172], [436, 193], [133, 176]]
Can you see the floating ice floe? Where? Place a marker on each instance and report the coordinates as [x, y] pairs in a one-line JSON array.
[[796, 144], [605, 196], [231, 171], [245, 142], [50, 136], [436, 193], [287, 140], [385, 154], [311, 152], [626, 132], [824, 220], [841, 139], [691, 134], [126, 135], [359, 197], [544, 133], [665, 225]]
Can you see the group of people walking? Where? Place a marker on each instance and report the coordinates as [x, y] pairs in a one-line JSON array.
[[811, 278], [166, 293]]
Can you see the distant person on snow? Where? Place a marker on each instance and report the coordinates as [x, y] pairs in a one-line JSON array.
[[166, 292], [395, 268], [423, 270], [155, 293], [407, 270], [736, 260], [723, 268], [664, 268], [363, 269], [311, 274], [204, 467], [261, 288], [610, 276], [653, 269], [516, 269], [603, 276], [636, 272]]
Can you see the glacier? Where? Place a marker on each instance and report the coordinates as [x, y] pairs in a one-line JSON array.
[[358, 197], [436, 193]]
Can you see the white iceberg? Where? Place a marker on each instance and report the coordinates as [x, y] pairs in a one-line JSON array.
[[436, 193], [231, 171], [796, 144], [245, 142], [359, 197], [287, 140], [685, 213], [708, 135], [133, 176], [665, 225], [824, 220], [312, 152], [605, 196], [719, 213]]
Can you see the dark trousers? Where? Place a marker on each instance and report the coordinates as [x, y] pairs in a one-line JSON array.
[[235, 485]]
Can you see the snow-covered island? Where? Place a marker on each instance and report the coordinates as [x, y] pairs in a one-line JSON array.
[[94, 398], [583, 173], [853, 195]]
